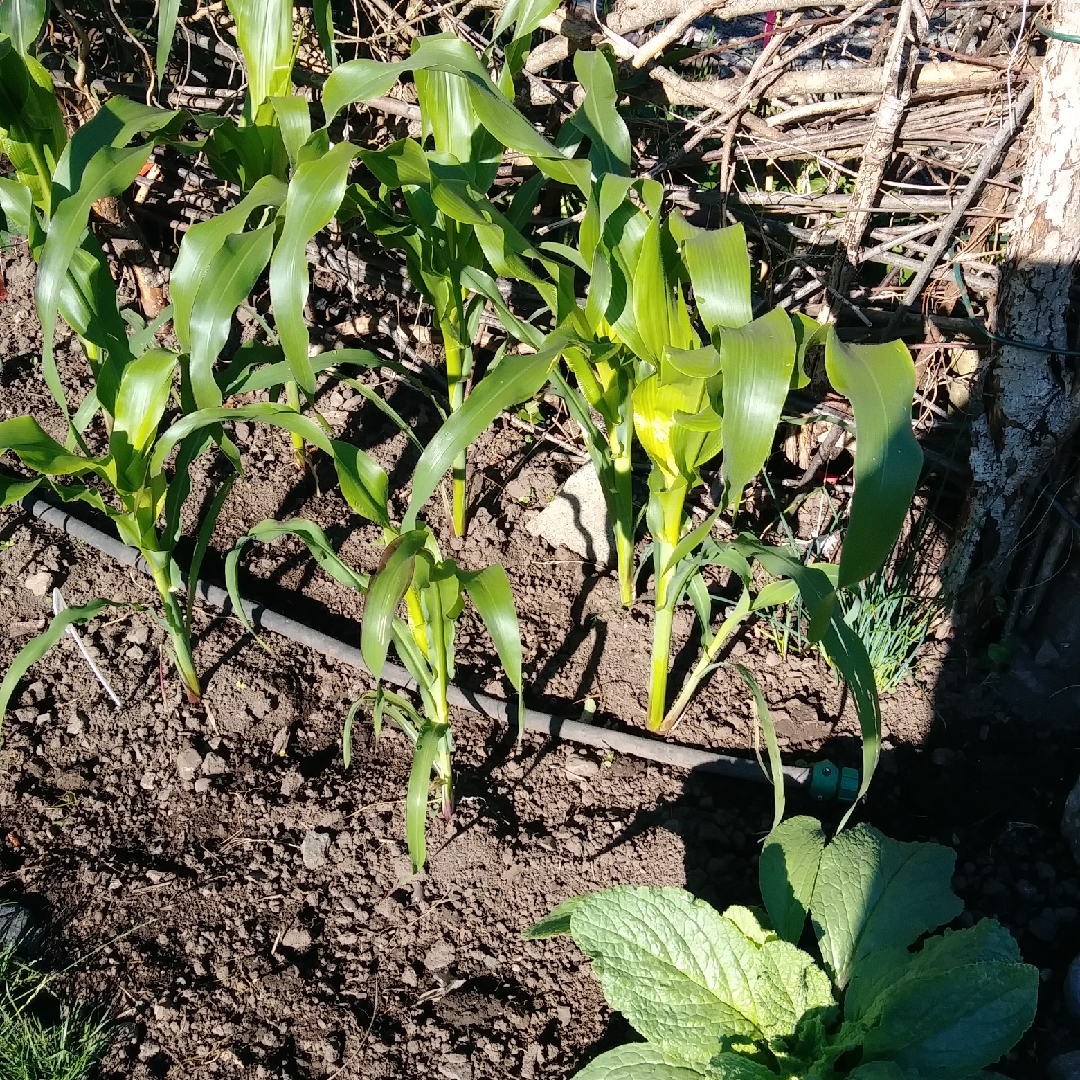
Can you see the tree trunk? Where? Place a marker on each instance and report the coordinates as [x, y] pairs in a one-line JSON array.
[[1028, 402]]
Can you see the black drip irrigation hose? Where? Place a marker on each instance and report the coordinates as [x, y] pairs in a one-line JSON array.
[[656, 750]]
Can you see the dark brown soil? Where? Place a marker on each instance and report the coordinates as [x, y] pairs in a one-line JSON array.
[[186, 899]]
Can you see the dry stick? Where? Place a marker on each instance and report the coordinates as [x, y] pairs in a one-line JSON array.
[[673, 31], [900, 64], [991, 157]]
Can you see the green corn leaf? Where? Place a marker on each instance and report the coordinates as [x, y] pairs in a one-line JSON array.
[[25, 438], [719, 269], [140, 404], [385, 592], [294, 120], [228, 280], [115, 124], [269, 413], [32, 134], [21, 20], [416, 798], [756, 362], [399, 165], [35, 649], [109, 172], [362, 80], [879, 381], [264, 34], [17, 204], [651, 302], [489, 590], [315, 193], [323, 11], [363, 483], [598, 118], [776, 775], [775, 593], [787, 872], [524, 15], [168, 11], [207, 525], [701, 363], [14, 488], [515, 380], [808, 332], [204, 240]]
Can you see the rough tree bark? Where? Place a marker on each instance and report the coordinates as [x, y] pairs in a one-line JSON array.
[[1028, 402]]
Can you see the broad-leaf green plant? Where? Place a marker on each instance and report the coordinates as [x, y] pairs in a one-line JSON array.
[[732, 996]]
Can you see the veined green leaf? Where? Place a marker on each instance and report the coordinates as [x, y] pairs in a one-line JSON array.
[[640, 1061], [385, 592], [873, 892], [756, 362], [315, 193], [774, 593], [651, 297], [701, 363], [168, 10], [879, 381], [489, 590], [685, 976], [225, 285], [787, 872], [204, 240], [515, 380], [140, 403], [264, 34], [21, 20], [35, 649], [555, 923], [719, 269], [950, 1021], [401, 164]]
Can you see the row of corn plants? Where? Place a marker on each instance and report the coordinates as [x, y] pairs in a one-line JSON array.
[[667, 355]]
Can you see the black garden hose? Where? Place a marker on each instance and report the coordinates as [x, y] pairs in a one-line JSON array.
[[658, 750]]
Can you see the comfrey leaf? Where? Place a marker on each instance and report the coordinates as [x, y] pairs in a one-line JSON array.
[[687, 978], [788, 870], [637, 1061], [873, 892]]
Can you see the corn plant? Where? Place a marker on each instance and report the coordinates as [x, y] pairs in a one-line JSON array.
[[450, 234], [433, 589]]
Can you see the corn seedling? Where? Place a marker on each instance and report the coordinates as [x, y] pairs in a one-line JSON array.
[[433, 590]]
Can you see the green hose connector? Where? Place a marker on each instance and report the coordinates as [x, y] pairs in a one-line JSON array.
[[829, 782]]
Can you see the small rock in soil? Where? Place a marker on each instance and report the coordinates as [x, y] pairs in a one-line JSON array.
[[439, 957], [313, 849], [202, 785], [943, 755], [25, 629], [577, 519], [297, 938], [1070, 821], [188, 763], [582, 769], [40, 583], [213, 765], [291, 783], [1064, 1066]]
